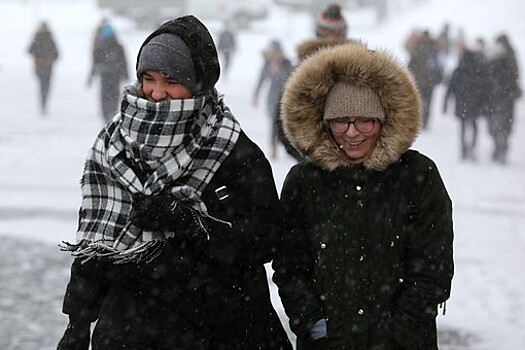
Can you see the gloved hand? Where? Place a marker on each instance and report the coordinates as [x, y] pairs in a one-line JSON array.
[[151, 212], [163, 213], [318, 331], [76, 336]]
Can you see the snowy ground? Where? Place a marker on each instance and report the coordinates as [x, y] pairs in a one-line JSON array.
[[41, 161]]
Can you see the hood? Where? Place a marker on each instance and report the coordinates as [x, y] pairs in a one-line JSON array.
[[305, 94], [309, 47], [202, 47]]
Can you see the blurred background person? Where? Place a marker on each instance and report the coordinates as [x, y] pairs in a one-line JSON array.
[[227, 46], [44, 51], [110, 64], [331, 22], [426, 66], [276, 68], [504, 91], [331, 29], [467, 87]]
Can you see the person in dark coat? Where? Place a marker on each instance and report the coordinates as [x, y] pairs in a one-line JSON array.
[[44, 51], [227, 46], [427, 68], [179, 215], [504, 91], [468, 87], [110, 64], [367, 256], [275, 70]]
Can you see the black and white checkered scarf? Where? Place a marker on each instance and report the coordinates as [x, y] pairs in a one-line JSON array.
[[147, 148]]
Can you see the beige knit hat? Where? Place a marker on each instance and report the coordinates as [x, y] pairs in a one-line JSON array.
[[348, 100]]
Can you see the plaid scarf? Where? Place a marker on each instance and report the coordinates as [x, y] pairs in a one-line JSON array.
[[147, 148]]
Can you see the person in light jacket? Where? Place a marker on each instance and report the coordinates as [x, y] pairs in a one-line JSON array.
[[179, 214], [367, 254]]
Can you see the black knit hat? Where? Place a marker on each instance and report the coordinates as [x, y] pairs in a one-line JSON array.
[[169, 55], [331, 23], [201, 46]]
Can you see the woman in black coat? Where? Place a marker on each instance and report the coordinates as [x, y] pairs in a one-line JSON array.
[[44, 51], [503, 72], [367, 256], [179, 214], [468, 85]]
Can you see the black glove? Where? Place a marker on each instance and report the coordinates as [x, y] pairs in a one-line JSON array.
[[164, 213], [151, 212], [76, 336]]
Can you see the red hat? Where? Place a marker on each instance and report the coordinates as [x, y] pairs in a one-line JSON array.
[[331, 23]]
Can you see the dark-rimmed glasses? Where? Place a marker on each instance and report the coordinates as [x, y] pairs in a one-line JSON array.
[[341, 125]]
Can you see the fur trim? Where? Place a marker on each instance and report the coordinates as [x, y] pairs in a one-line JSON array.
[[305, 94], [309, 47]]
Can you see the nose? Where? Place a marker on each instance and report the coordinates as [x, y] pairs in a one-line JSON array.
[[352, 131], [158, 93]]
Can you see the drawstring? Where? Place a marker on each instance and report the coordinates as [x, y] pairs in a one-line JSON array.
[[443, 306]]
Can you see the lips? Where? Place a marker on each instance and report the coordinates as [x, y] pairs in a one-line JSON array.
[[354, 143]]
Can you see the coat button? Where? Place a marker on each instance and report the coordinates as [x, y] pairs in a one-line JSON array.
[[358, 188], [361, 258], [401, 280], [360, 311], [323, 246]]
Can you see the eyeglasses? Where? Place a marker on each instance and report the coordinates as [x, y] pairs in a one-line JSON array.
[[341, 125]]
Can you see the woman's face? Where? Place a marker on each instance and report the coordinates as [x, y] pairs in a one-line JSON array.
[[356, 144], [157, 87]]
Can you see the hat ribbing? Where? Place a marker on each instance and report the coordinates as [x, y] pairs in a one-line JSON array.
[[169, 55], [348, 100]]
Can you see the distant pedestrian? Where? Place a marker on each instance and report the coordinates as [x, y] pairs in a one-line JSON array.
[[275, 70], [110, 64], [227, 46], [468, 86], [44, 51], [97, 36], [426, 66], [444, 39], [331, 22], [331, 29], [504, 91]]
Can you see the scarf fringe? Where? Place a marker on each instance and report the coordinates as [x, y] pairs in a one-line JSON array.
[[147, 251]]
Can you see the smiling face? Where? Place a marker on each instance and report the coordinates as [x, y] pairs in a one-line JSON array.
[[357, 145], [157, 87]]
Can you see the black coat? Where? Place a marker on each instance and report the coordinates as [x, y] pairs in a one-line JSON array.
[[368, 243], [469, 86], [505, 89], [196, 294], [376, 267]]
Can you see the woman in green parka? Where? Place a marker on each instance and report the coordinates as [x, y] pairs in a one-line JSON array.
[[367, 257]]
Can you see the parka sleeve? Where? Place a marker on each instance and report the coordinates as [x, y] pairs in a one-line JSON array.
[[293, 264], [86, 289], [428, 266], [254, 211]]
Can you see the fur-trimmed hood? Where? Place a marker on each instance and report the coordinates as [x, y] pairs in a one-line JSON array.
[[305, 94]]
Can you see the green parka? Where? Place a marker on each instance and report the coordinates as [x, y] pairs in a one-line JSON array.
[[369, 245]]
